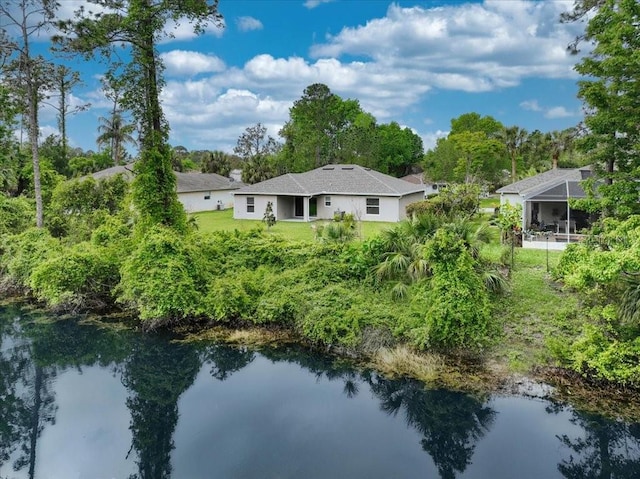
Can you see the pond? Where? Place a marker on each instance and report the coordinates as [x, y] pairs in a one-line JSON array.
[[78, 401]]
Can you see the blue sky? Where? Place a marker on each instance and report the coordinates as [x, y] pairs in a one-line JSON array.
[[419, 63]]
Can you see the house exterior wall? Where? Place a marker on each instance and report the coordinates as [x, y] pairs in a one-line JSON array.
[[391, 209], [259, 206], [194, 201], [405, 201]]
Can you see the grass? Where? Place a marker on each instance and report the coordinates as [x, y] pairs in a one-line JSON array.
[[536, 310], [490, 202], [210, 221]]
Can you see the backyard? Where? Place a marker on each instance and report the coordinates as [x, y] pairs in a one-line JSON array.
[[210, 221]]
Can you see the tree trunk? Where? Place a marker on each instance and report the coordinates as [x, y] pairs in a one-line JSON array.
[[33, 128]]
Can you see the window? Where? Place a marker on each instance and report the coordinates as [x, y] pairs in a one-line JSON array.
[[373, 206], [251, 205], [327, 200], [207, 196]]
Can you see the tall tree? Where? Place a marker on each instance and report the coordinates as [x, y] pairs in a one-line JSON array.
[[29, 73], [559, 143], [513, 138], [611, 93], [318, 123], [216, 162], [256, 148], [62, 82], [115, 133], [139, 25]]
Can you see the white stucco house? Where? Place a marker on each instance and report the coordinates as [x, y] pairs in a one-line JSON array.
[[321, 193], [196, 191], [545, 199]]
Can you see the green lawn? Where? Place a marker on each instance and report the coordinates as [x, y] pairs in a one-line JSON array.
[[210, 221], [490, 202]]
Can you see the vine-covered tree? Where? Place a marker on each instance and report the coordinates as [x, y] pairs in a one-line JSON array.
[[139, 25]]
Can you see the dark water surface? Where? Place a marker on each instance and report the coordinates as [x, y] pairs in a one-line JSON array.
[[82, 402]]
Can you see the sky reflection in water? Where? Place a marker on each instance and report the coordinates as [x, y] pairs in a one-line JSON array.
[[80, 402]]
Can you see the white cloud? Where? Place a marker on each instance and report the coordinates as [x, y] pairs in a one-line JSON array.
[[430, 139], [182, 62], [311, 4], [469, 47], [531, 105], [246, 24], [558, 112], [548, 112]]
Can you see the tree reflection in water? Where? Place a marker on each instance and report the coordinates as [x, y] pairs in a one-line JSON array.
[[451, 422], [608, 450]]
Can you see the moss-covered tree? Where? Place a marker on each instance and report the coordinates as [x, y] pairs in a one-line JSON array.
[[140, 25]]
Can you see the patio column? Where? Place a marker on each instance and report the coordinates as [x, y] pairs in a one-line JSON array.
[[305, 213]]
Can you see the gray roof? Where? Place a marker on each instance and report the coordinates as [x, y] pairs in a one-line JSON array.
[[550, 180], [334, 180], [188, 182], [185, 182]]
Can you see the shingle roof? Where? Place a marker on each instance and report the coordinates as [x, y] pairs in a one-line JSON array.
[[334, 179], [547, 180], [188, 182], [185, 182]]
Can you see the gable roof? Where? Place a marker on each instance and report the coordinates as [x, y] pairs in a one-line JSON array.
[[550, 180], [185, 182], [336, 180]]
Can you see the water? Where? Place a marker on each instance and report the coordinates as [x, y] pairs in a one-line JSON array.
[[82, 402]]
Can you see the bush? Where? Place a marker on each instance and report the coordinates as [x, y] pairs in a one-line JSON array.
[[454, 301], [165, 278], [16, 214], [79, 278], [22, 253]]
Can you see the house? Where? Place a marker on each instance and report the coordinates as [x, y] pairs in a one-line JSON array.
[[545, 199], [196, 191], [332, 189], [430, 188]]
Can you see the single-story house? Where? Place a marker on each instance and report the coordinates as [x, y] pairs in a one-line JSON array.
[[332, 189], [545, 199], [430, 187], [196, 191]]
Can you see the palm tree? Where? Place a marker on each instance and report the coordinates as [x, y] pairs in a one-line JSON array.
[[216, 162], [560, 141], [513, 138], [115, 133]]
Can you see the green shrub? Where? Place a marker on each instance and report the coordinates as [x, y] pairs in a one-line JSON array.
[[454, 301], [165, 278], [234, 296], [599, 355], [82, 277], [16, 214], [22, 253]]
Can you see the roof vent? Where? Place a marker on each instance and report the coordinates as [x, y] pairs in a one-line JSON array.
[[347, 167], [327, 168]]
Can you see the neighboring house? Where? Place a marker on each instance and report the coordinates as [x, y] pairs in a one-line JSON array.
[[321, 193], [544, 199], [430, 188], [196, 191]]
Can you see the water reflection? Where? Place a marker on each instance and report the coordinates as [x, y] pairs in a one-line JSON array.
[[451, 423], [608, 450], [449, 427]]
